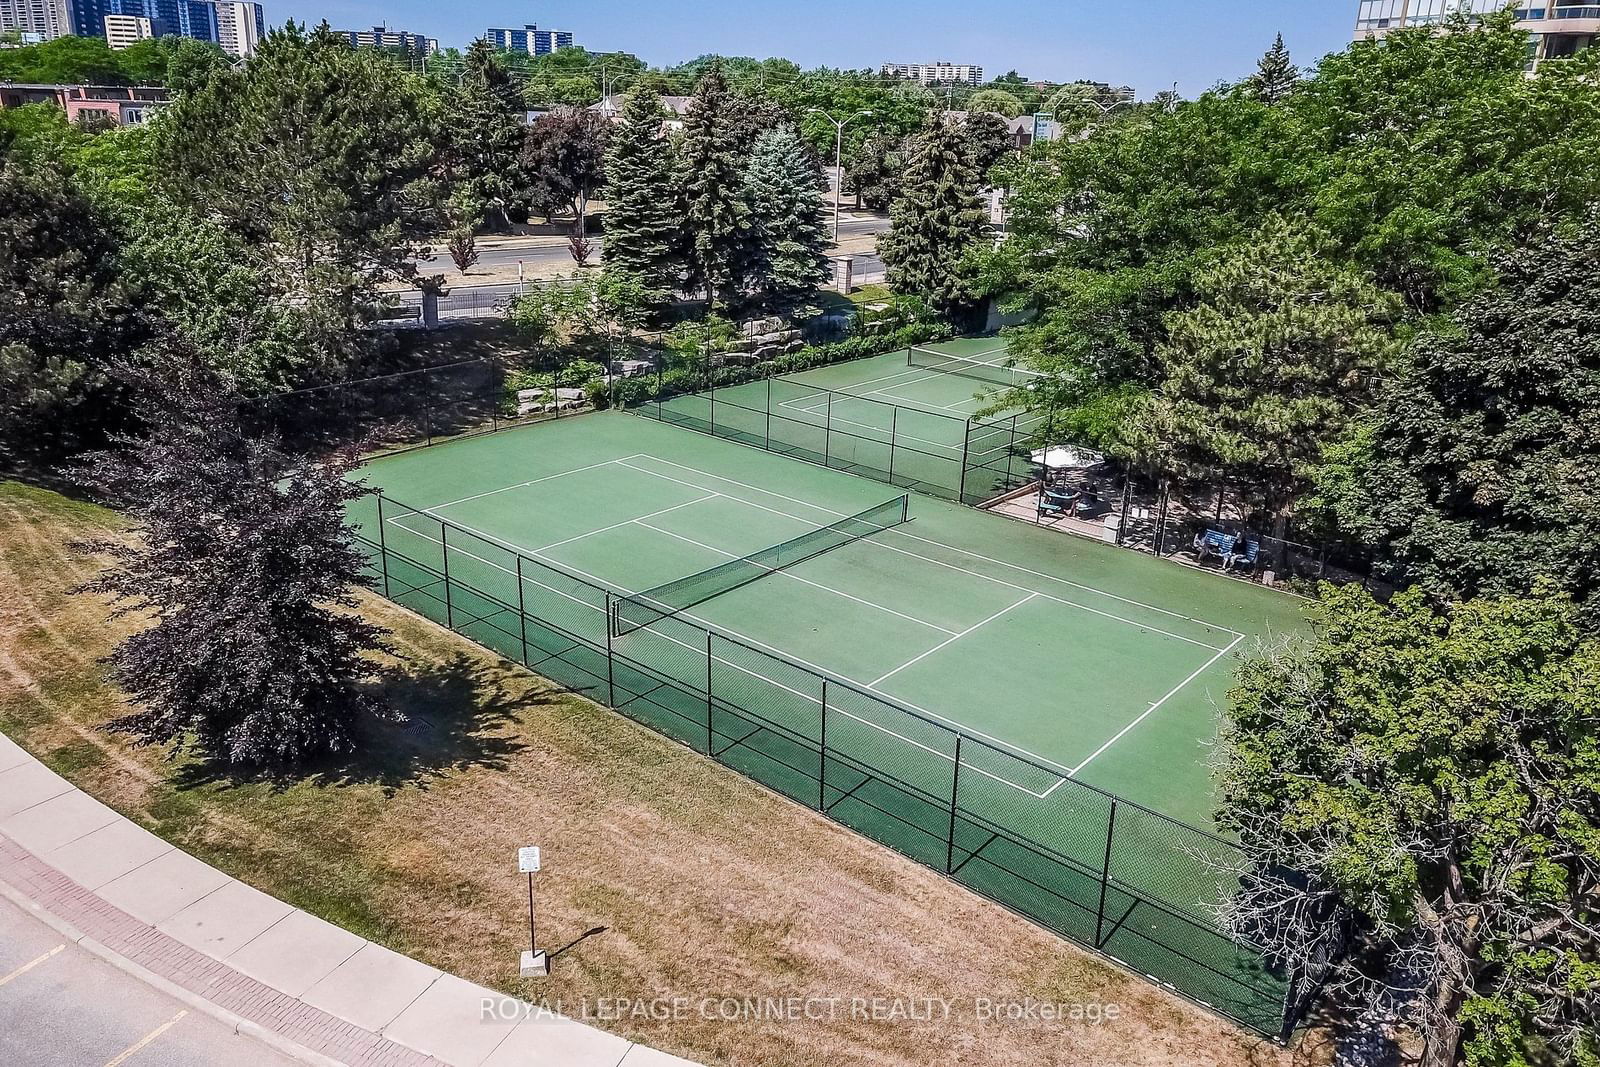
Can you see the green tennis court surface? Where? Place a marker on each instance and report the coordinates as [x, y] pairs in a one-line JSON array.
[[979, 694], [1088, 661], [923, 418]]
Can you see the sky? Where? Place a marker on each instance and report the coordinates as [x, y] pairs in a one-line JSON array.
[[1149, 44]]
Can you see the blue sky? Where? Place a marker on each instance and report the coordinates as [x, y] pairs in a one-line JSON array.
[[1148, 44]]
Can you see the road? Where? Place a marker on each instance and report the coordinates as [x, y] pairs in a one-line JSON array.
[[494, 276], [61, 1005]]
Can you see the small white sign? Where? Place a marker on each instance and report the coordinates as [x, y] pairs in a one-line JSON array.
[[528, 860]]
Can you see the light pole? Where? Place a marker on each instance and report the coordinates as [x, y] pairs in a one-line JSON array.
[[838, 159]]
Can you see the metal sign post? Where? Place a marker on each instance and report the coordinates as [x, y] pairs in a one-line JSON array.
[[535, 964]]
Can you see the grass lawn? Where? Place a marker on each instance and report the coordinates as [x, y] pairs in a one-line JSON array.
[[693, 881]]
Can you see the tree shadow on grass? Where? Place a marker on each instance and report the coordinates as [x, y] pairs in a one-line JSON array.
[[438, 719]]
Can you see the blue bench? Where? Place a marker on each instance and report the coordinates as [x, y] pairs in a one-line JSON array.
[[1219, 544]]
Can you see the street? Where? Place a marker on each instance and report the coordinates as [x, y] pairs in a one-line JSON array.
[[60, 1004], [494, 276]]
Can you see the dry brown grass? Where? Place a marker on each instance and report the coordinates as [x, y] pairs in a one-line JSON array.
[[705, 884]]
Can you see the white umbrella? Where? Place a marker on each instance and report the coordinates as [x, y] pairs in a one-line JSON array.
[[1067, 458]]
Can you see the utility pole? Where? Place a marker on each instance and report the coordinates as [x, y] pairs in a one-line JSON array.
[[838, 159]]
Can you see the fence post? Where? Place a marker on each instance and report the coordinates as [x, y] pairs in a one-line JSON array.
[[955, 786], [710, 745], [894, 431], [827, 433], [444, 556], [427, 408], [611, 670], [522, 613], [1105, 878], [966, 445], [1127, 501], [383, 548], [822, 754]]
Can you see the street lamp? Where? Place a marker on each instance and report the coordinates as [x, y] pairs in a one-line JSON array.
[[838, 158]]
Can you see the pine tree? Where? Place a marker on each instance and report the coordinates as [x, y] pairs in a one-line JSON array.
[[641, 203], [935, 222], [786, 204], [245, 566], [718, 234], [484, 123], [1275, 76]]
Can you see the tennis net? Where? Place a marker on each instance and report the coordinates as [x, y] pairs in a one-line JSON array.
[[996, 371], [635, 612]]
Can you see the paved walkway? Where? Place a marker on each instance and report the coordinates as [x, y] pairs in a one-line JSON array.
[[310, 990]]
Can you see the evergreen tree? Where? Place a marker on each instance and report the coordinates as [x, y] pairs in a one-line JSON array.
[[317, 157], [936, 222], [245, 564], [1280, 351], [785, 200], [1275, 76], [484, 125], [68, 315], [641, 203], [988, 140], [718, 233], [1478, 470]]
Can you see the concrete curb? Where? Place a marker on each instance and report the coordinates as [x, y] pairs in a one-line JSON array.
[[239, 1025]]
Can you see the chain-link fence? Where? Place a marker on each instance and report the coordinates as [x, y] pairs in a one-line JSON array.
[[1131, 883], [395, 412]]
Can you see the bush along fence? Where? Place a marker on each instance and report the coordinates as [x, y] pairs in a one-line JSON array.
[[1131, 883]]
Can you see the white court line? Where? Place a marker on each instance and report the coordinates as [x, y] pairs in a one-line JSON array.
[[896, 436], [952, 548], [534, 481], [710, 495], [1152, 709], [769, 681], [955, 637], [952, 566], [795, 577]]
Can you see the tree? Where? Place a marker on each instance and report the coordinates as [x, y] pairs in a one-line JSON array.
[[483, 124], [995, 102], [1275, 76], [1425, 780], [563, 163], [641, 220], [178, 63], [1477, 472], [68, 316], [65, 60], [244, 562], [464, 216], [1280, 350], [317, 157], [936, 223], [717, 225], [988, 140], [876, 170], [785, 200]]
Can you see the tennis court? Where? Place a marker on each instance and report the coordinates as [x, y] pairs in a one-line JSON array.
[[968, 690], [908, 417]]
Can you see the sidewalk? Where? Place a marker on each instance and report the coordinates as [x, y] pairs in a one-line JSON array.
[[308, 989]]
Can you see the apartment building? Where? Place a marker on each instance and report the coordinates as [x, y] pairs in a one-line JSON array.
[[530, 39], [35, 20], [941, 72], [1555, 29], [123, 105], [123, 30], [413, 47], [240, 27]]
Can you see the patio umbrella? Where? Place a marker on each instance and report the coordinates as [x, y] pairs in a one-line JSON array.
[[1067, 458]]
